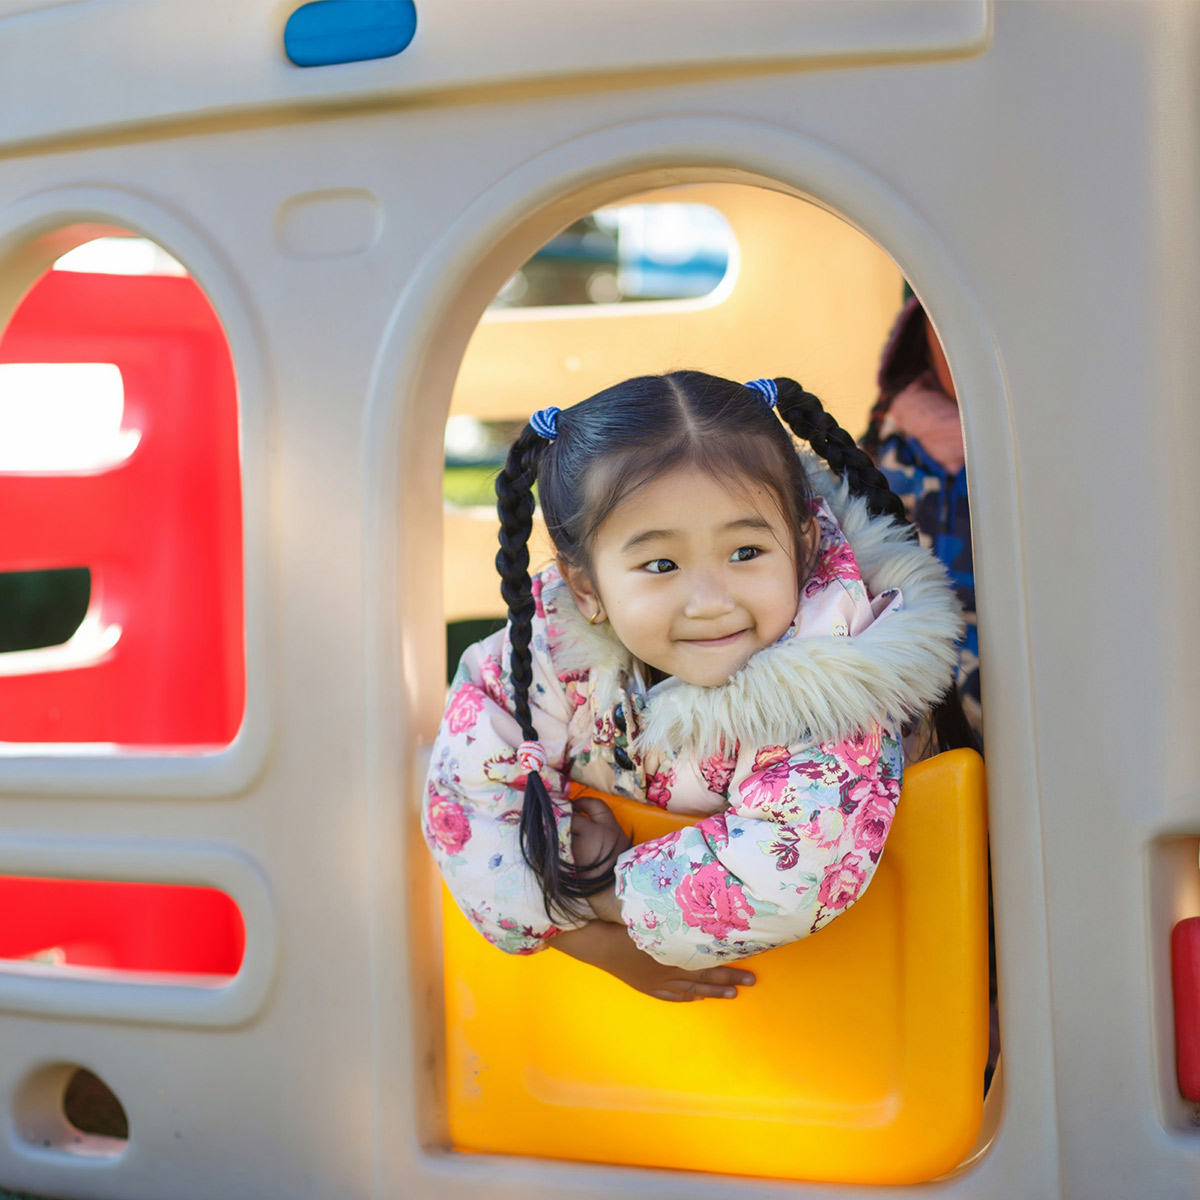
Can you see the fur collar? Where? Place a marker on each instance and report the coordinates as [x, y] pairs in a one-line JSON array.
[[801, 689]]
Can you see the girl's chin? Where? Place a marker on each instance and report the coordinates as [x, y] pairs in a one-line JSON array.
[[714, 675]]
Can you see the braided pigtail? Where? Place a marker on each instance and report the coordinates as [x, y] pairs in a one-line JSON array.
[[564, 884], [872, 438], [808, 420]]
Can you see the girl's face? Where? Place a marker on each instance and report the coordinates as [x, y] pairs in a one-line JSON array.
[[695, 575]]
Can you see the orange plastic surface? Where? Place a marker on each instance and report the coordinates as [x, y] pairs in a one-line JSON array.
[[858, 1056]]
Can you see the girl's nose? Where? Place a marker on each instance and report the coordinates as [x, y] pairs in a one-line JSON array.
[[707, 598]]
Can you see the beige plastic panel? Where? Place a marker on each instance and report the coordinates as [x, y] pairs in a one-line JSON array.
[[232, 59], [806, 295], [1044, 198]]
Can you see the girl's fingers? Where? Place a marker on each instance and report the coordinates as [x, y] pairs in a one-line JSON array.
[[726, 976], [695, 989], [714, 983]]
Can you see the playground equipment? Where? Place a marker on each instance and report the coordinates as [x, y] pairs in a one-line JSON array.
[[1030, 168]]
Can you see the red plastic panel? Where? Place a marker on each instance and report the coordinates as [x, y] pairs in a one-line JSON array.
[[161, 531], [1185, 981], [122, 926]]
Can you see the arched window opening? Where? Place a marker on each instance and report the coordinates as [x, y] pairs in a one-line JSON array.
[[121, 557], [807, 296]]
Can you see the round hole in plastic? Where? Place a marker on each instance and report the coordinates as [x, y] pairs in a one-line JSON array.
[[65, 1108], [92, 1107]]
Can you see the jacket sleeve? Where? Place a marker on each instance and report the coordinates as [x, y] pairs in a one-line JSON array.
[[797, 846], [475, 790]]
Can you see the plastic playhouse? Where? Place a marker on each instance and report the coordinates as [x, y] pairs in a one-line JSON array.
[[214, 894]]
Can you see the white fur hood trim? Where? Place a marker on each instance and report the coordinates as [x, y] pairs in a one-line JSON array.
[[800, 689]]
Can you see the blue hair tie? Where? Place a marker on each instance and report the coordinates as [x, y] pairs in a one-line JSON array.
[[766, 389], [545, 422]]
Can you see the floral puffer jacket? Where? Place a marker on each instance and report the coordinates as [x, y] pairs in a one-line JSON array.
[[794, 764]]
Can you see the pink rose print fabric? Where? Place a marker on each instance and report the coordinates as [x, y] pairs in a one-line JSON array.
[[465, 706], [476, 787], [717, 770], [797, 846], [658, 788], [446, 823], [492, 678], [842, 883], [712, 902], [875, 818], [835, 558], [789, 835]]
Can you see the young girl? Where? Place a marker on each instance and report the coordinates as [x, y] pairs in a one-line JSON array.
[[729, 630]]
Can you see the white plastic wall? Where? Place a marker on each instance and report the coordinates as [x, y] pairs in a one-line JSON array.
[[1033, 171]]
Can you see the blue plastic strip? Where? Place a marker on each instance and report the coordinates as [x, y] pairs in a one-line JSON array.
[[344, 31]]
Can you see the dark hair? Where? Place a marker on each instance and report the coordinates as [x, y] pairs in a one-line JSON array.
[[905, 357], [606, 448]]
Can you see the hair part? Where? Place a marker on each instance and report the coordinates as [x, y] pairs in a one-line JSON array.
[[613, 444]]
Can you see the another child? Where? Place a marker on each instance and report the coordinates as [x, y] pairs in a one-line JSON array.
[[731, 631], [915, 437]]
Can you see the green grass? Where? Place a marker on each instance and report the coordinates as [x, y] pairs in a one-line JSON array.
[[469, 486]]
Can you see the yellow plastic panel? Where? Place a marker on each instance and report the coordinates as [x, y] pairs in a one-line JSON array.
[[858, 1056]]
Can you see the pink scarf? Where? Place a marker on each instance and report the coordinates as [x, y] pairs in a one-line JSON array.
[[924, 412]]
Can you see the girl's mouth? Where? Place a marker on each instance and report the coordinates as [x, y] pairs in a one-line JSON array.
[[728, 639]]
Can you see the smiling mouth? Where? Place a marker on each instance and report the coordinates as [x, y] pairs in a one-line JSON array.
[[728, 639]]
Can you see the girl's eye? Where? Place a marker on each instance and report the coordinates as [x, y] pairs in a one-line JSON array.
[[744, 554], [660, 566]]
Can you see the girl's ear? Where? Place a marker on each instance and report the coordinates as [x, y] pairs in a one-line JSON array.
[[582, 589], [807, 545], [812, 539]]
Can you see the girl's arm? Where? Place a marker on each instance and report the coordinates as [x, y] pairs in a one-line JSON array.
[[608, 947], [476, 788], [797, 846]]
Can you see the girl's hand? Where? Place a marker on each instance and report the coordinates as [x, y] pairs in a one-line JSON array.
[[610, 948], [596, 838]]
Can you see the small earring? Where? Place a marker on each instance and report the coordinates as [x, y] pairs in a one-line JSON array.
[[597, 617]]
